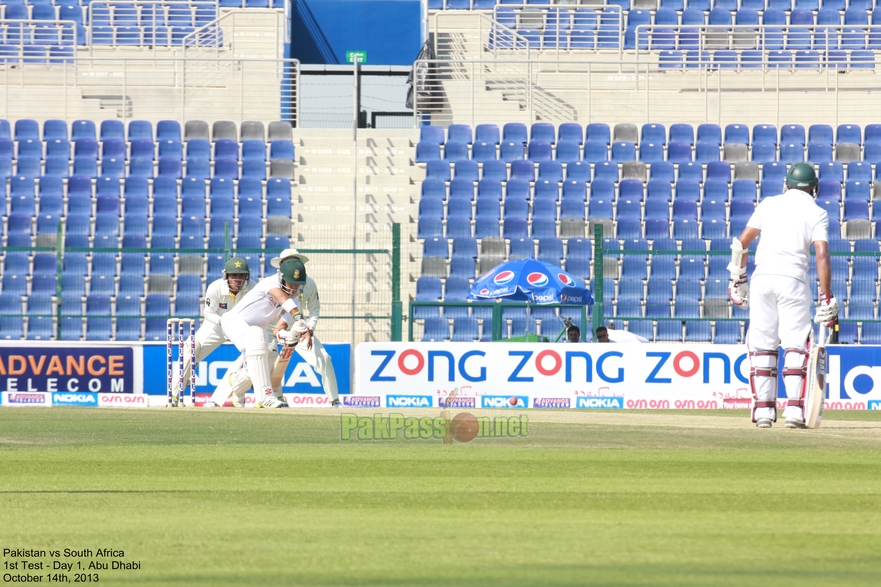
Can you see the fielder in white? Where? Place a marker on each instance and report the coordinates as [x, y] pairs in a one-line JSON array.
[[248, 327], [289, 328], [780, 308], [220, 297]]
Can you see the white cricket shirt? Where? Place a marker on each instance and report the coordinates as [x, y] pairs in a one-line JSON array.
[[790, 223], [258, 308], [219, 300]]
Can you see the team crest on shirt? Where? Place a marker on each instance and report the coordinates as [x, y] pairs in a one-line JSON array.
[[223, 306]]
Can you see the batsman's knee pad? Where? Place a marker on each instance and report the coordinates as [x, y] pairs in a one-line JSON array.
[[795, 371], [763, 380], [257, 360]]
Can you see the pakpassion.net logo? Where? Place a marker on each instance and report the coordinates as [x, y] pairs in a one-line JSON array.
[[463, 427]]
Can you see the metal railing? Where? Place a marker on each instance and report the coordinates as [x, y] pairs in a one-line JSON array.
[[33, 34], [650, 39], [145, 23], [610, 90], [153, 88], [497, 327]]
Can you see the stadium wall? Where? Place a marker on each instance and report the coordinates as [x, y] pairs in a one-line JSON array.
[[132, 369], [402, 375]]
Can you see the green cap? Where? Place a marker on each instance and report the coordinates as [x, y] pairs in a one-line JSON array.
[[293, 271], [236, 265], [801, 175]]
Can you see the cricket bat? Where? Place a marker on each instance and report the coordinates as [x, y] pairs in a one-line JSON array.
[[276, 377], [815, 392], [280, 366]]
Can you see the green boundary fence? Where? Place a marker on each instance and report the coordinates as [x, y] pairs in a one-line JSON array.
[[598, 265], [497, 321], [395, 311], [597, 313]]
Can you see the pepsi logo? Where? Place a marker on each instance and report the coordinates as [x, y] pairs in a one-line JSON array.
[[537, 279], [565, 279], [503, 277], [484, 292]]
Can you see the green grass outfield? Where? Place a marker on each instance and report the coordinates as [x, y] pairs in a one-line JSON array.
[[226, 497]]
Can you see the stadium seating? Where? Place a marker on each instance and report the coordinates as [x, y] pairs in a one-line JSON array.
[[670, 201], [132, 206]]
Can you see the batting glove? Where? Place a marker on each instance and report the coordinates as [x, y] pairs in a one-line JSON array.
[[288, 338], [738, 291], [827, 309]]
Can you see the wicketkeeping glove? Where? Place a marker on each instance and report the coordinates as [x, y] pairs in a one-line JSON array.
[[827, 309], [738, 291]]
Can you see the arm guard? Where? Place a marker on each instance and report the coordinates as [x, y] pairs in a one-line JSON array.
[[735, 267]]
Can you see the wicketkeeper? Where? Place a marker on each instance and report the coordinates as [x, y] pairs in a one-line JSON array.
[[220, 297], [780, 308]]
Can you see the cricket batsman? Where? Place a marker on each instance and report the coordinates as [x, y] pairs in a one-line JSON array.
[[296, 333], [249, 327], [220, 297], [780, 308]]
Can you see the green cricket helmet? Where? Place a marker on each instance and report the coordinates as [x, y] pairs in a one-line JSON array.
[[292, 271], [801, 175], [236, 272]]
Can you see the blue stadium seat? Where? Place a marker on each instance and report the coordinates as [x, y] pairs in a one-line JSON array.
[[465, 169], [483, 152], [511, 151], [857, 190], [657, 228], [455, 151], [426, 152], [763, 152], [539, 151], [598, 131], [432, 134], [792, 152], [661, 171], [436, 329], [595, 151], [488, 133], [679, 152], [523, 170], [651, 152], [848, 133]]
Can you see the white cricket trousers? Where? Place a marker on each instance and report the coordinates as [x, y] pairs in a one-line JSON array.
[[779, 315]]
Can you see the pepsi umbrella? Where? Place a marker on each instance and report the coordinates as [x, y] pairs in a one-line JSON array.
[[530, 280]]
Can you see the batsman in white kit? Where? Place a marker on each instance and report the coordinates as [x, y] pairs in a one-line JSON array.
[[780, 300], [220, 297], [294, 333]]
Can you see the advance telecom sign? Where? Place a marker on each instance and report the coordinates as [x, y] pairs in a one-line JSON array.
[[597, 375], [72, 369]]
